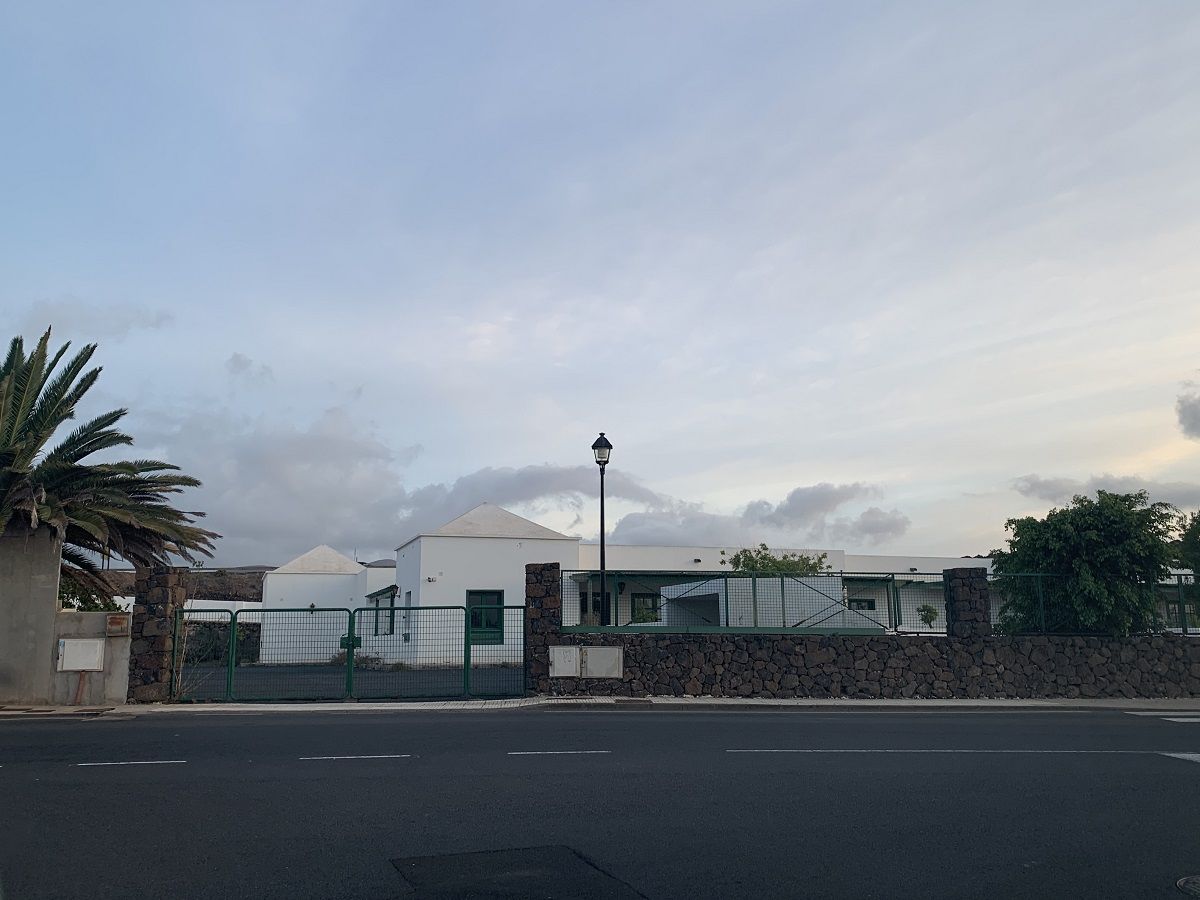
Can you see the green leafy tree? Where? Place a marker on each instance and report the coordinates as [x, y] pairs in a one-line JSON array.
[[928, 613], [761, 560], [72, 596], [1103, 558], [1187, 547], [98, 509]]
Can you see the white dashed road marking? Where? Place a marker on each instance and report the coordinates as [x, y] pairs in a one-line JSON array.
[[553, 752], [951, 751], [138, 762], [376, 756]]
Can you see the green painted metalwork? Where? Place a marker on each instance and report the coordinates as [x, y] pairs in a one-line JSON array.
[[331, 653]]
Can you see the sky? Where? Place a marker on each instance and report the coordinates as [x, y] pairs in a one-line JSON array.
[[874, 277]]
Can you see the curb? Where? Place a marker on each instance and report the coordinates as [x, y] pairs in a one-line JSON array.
[[1166, 706]]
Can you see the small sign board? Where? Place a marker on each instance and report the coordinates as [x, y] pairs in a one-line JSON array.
[[116, 624], [81, 654]]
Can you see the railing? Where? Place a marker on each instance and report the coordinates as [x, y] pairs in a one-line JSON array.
[[336, 653], [831, 602]]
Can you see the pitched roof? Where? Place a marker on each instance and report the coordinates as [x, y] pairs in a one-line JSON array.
[[322, 560], [487, 520]]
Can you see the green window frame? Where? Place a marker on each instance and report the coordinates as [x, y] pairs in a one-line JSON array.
[[485, 616], [645, 608]]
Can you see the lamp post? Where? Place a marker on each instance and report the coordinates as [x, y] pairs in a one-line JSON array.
[[602, 448]]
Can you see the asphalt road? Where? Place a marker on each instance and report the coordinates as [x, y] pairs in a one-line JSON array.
[[656, 804]]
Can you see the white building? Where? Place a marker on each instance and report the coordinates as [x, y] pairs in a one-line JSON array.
[[305, 603], [461, 589]]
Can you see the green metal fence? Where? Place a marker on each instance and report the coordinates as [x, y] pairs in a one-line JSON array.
[[830, 602], [337, 653]]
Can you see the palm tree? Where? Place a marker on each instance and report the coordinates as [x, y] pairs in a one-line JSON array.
[[97, 509]]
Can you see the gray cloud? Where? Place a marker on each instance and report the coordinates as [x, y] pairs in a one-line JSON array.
[[804, 506], [1187, 408], [275, 490], [1061, 490], [873, 525], [240, 366], [72, 317], [803, 517]]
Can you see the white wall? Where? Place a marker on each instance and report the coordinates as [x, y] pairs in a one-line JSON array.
[[673, 559], [460, 564], [865, 562], [408, 571], [303, 636], [683, 559]]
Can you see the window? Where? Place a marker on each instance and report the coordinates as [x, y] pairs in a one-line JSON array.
[[859, 603], [645, 608], [485, 616]]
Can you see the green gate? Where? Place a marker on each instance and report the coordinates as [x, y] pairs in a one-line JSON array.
[[333, 653]]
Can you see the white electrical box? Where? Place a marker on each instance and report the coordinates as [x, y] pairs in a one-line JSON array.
[[601, 662], [81, 654], [564, 662]]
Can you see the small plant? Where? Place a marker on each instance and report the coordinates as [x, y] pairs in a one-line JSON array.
[[928, 613]]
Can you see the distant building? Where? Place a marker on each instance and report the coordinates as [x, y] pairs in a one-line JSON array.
[[416, 609]]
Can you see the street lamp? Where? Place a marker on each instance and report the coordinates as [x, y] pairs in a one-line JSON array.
[[602, 447]]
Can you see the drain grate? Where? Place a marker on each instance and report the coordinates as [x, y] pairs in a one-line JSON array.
[[547, 873]]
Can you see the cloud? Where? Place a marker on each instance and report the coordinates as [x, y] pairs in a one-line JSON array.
[[76, 318], [1187, 408], [803, 517], [240, 366], [1061, 490], [274, 490]]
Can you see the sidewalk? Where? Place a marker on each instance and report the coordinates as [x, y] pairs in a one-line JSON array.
[[725, 704]]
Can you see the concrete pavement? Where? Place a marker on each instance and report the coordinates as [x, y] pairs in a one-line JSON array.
[[699, 803], [615, 703]]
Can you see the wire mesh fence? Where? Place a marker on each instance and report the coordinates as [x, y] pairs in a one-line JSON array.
[[338, 653], [840, 602]]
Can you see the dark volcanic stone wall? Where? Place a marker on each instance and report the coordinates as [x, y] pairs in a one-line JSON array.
[[892, 666]]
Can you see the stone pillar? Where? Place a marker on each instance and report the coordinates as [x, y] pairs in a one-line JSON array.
[[29, 567], [543, 622], [968, 603], [158, 592]]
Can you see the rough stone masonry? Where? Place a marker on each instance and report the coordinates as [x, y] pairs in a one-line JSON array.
[[970, 662], [158, 593]]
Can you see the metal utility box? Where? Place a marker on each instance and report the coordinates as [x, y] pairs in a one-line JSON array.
[[601, 662], [81, 654], [564, 662]]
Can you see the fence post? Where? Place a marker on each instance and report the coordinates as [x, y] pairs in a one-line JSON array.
[[1041, 603], [351, 638], [782, 602], [175, 637], [754, 598], [232, 655], [1183, 625], [894, 602], [727, 622], [467, 646]]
